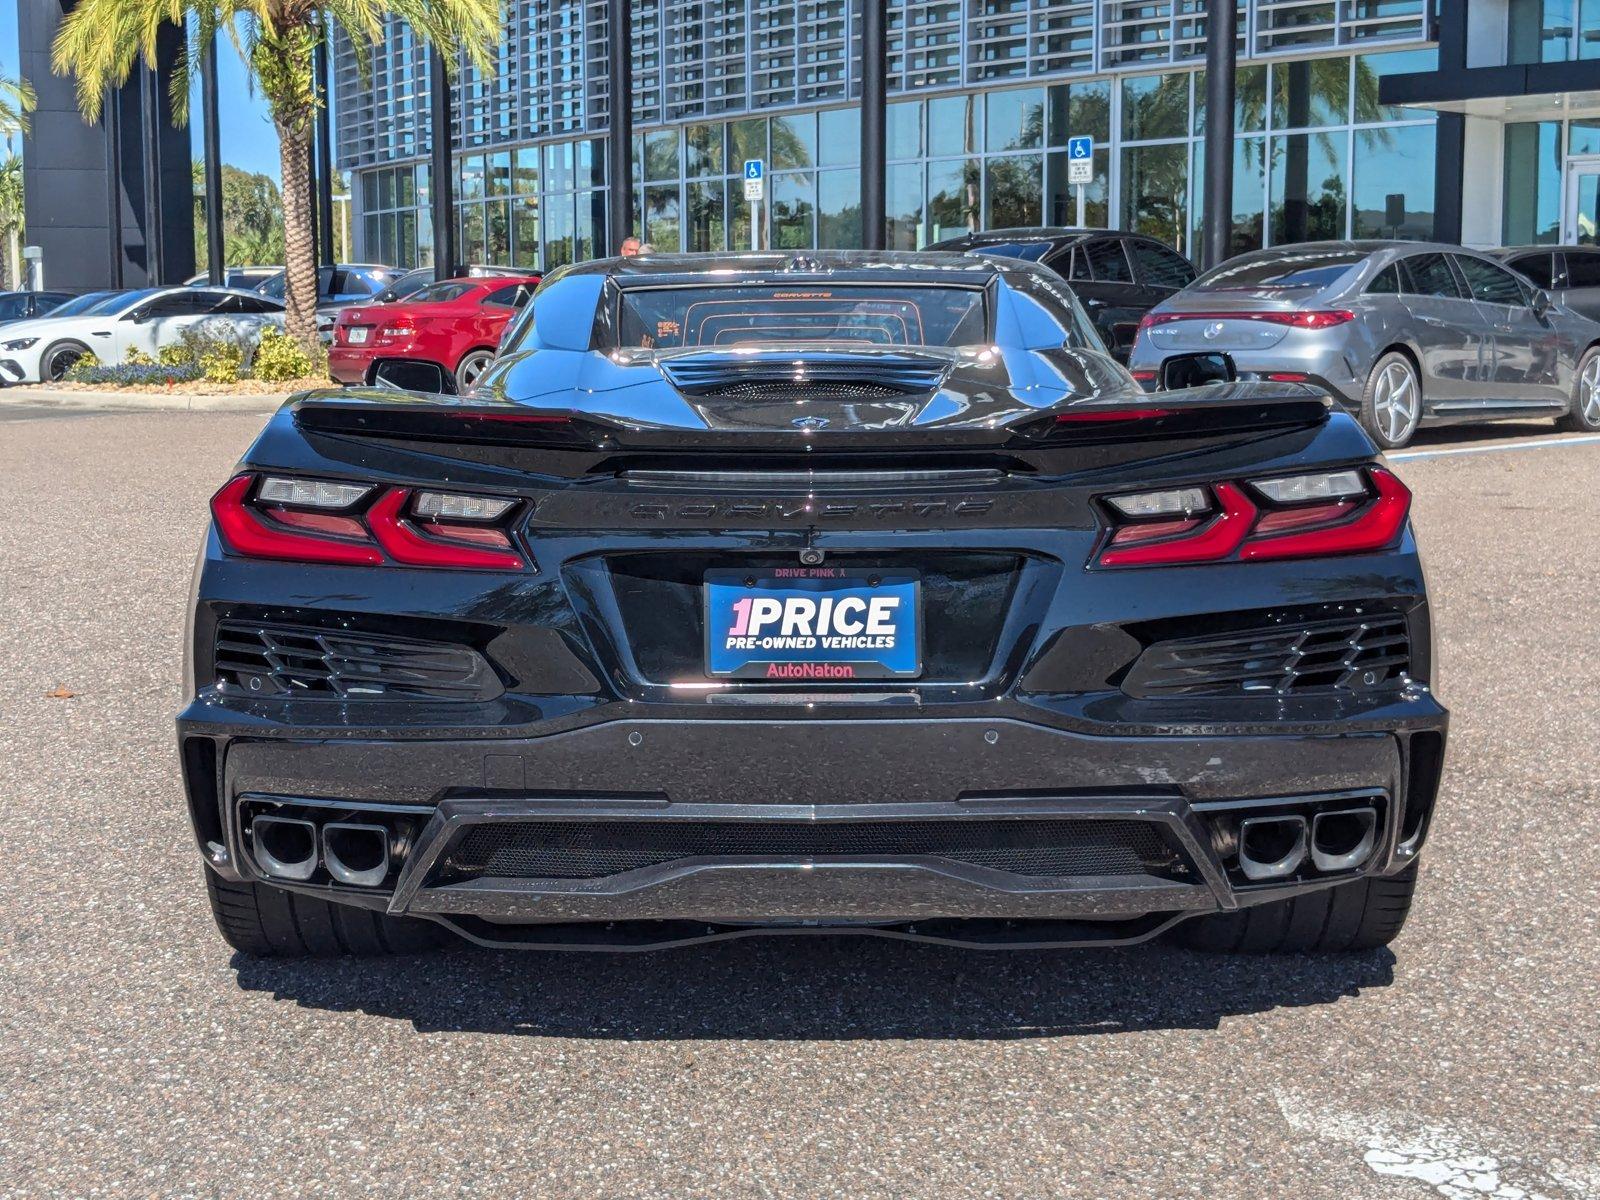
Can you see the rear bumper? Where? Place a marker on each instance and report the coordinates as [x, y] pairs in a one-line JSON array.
[[822, 777], [348, 364]]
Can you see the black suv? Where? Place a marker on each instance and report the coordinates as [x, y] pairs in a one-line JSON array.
[[1118, 277]]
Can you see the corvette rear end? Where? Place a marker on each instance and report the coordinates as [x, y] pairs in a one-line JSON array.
[[836, 593]]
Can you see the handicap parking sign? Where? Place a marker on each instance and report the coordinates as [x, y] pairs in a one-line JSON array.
[[754, 168], [1079, 149]]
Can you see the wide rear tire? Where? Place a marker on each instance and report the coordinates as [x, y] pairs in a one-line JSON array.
[[1360, 915], [269, 922]]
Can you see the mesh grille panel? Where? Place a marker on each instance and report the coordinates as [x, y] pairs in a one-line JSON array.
[[1350, 655], [281, 660], [589, 850]]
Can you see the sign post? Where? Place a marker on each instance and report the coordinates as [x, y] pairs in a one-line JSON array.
[[1080, 170], [755, 190]]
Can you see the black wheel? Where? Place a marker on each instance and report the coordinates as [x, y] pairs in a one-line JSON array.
[[60, 358], [472, 365], [1584, 416], [270, 922], [1360, 915], [1391, 403]]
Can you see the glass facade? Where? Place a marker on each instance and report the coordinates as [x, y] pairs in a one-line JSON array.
[[983, 99]]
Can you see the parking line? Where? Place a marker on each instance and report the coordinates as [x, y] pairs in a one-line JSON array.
[[1541, 444]]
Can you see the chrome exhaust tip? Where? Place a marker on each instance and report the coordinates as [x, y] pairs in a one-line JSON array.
[[356, 854], [1271, 847], [1344, 838], [284, 847]]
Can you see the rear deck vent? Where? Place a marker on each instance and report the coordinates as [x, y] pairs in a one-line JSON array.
[[287, 660], [1354, 654], [819, 377], [594, 849]]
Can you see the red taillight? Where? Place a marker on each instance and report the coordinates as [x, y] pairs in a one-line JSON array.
[[246, 531], [1216, 539], [1316, 318], [405, 543], [1373, 527], [1305, 516], [460, 531]]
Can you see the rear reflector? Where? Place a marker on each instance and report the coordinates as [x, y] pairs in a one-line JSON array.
[[1112, 414]]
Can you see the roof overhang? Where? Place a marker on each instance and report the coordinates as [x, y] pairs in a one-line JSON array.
[[1522, 92]]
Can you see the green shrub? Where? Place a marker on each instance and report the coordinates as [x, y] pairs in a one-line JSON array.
[[77, 371], [178, 354], [136, 357], [222, 361], [279, 358]]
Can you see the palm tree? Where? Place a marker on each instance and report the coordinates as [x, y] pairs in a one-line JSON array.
[[100, 42], [11, 216], [16, 102]]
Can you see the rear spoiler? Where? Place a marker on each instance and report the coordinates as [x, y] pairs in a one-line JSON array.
[[1132, 416]]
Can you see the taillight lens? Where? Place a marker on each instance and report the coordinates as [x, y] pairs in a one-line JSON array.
[[1313, 318], [1309, 515], [320, 521]]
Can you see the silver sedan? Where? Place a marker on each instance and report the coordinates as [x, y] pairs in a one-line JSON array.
[[1400, 333]]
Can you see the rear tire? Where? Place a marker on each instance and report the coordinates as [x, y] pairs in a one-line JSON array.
[[1584, 416], [1360, 915], [1391, 403], [270, 922]]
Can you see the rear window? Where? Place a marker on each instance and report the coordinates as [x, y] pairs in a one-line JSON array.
[[673, 317], [1032, 251], [1280, 271], [436, 293]]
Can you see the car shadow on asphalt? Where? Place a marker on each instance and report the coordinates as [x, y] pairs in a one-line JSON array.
[[815, 988]]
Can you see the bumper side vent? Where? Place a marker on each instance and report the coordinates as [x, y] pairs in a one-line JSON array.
[[1355, 655], [285, 660], [595, 849]]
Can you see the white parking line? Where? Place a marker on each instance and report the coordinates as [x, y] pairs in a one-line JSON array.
[[1541, 444]]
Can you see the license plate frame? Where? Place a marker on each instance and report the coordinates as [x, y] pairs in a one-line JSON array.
[[358, 335], [866, 659]]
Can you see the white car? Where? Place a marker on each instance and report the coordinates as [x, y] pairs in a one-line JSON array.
[[43, 350]]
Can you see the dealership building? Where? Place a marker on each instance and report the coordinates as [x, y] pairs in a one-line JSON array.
[[983, 97], [1465, 122]]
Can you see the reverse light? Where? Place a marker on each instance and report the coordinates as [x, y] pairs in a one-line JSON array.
[[311, 493], [1303, 489], [452, 507], [1178, 501]]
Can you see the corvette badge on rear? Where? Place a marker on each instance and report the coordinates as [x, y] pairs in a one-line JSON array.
[[812, 623]]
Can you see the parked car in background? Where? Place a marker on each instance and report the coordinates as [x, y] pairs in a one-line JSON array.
[[20, 306], [1117, 277], [455, 324], [1400, 333], [1571, 274], [414, 280], [337, 286], [44, 349], [237, 277]]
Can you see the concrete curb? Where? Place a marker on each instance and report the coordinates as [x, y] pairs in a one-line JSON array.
[[143, 401]]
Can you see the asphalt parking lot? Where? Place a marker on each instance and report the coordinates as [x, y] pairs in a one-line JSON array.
[[138, 1057]]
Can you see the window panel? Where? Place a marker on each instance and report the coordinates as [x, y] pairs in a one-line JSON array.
[[1013, 190], [794, 204], [1308, 190], [1155, 192], [839, 137], [1393, 199], [954, 194], [1014, 120], [706, 226], [525, 232], [904, 133], [838, 209], [661, 229], [1155, 106], [794, 142], [903, 196]]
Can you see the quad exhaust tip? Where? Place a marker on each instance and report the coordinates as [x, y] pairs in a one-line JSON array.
[[356, 854], [284, 847], [1271, 847], [1344, 838]]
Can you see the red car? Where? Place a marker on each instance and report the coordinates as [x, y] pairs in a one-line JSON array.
[[456, 324]]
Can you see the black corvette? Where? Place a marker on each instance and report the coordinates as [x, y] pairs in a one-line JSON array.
[[771, 593]]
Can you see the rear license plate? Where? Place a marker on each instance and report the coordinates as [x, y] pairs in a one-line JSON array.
[[813, 623], [358, 335]]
